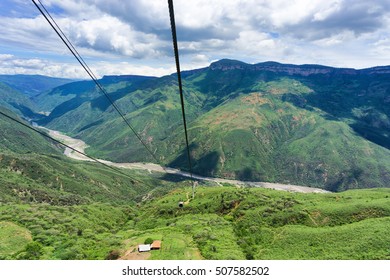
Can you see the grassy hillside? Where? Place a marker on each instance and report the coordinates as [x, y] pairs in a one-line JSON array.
[[231, 223], [55, 208], [16, 101], [58, 181], [13, 239], [19, 139], [220, 223], [310, 125], [66, 232]]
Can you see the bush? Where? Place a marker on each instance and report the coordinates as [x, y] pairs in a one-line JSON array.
[[113, 255], [148, 240], [33, 251]]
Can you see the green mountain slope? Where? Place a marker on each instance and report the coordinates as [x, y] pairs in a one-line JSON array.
[[71, 95], [55, 180], [271, 122], [34, 169], [31, 85], [18, 139], [307, 124], [16, 101], [260, 138], [13, 239]]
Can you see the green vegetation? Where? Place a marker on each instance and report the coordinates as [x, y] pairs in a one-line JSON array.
[[58, 181], [350, 241], [13, 239], [16, 138], [220, 223], [307, 125], [310, 125], [67, 232], [15, 101], [253, 223]]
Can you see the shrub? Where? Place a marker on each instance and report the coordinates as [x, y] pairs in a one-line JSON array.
[[148, 240], [33, 251], [113, 255]]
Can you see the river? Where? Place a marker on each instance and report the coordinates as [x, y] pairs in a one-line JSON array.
[[151, 167]]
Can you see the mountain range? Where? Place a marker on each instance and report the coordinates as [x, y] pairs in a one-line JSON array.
[[300, 124]]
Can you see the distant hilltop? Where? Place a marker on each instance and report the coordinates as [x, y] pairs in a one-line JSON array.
[[291, 69]]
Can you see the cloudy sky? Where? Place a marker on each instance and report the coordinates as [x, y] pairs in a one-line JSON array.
[[133, 36]]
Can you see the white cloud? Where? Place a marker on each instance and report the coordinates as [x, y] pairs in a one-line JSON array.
[[327, 11], [137, 32], [334, 40], [200, 58], [104, 68], [255, 43], [5, 57], [10, 64], [109, 35]]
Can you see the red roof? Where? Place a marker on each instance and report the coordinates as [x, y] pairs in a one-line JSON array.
[[156, 244]]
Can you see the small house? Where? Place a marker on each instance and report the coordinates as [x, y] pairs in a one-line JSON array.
[[144, 248], [156, 245]]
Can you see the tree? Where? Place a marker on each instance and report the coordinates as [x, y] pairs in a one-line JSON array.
[[148, 240], [34, 250]]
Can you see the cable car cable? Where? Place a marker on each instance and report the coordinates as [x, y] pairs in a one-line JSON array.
[[93, 77], [176, 52], [66, 38], [65, 145]]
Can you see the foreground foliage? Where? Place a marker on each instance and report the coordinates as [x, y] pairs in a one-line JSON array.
[[220, 223], [231, 223]]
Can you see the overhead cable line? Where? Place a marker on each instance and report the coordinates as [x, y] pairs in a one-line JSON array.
[[66, 38], [65, 145], [176, 51], [72, 49]]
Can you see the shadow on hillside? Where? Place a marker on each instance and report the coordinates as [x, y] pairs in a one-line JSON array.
[[62, 109], [345, 180], [372, 134], [249, 174], [91, 125], [134, 82], [27, 112], [205, 166], [173, 178]]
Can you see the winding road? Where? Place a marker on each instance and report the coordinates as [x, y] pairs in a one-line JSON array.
[[151, 167]]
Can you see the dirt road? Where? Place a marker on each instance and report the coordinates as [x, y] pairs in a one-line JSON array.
[[151, 167]]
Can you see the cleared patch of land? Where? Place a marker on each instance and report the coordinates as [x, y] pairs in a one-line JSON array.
[[13, 238]]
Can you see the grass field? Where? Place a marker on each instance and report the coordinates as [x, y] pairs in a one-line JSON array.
[[13, 239], [366, 239]]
